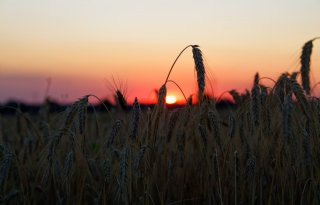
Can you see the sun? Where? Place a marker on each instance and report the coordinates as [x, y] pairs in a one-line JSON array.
[[171, 99]]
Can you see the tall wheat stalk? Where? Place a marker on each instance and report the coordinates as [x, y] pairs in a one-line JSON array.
[[199, 66], [305, 65], [255, 101], [198, 61], [135, 119]]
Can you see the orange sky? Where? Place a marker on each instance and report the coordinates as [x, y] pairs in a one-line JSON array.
[[80, 45]]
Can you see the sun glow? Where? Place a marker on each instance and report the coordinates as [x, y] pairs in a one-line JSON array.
[[170, 99]]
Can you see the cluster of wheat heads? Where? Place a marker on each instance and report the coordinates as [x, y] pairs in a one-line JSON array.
[[263, 150]]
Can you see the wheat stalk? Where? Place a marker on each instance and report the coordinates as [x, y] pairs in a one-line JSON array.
[[70, 116], [306, 149], [231, 126], [114, 131], [305, 65], [264, 94], [171, 164], [204, 135], [235, 157], [93, 168], [162, 95], [199, 66], [167, 78], [250, 167], [255, 101], [5, 165], [236, 97], [135, 119], [280, 85], [68, 163], [298, 92], [123, 176], [106, 171], [294, 75], [140, 156], [198, 61], [121, 100], [12, 194], [83, 114], [172, 122], [287, 116], [181, 146], [219, 177], [215, 124], [45, 132]]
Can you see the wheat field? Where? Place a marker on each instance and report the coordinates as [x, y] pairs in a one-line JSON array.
[[263, 149]]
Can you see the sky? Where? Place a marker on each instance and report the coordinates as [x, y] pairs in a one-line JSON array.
[[66, 49]]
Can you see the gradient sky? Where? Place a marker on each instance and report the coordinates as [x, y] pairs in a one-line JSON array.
[[81, 45]]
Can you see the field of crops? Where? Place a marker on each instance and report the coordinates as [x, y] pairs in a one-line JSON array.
[[264, 149]]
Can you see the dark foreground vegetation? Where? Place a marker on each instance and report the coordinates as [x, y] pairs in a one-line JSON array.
[[263, 150]]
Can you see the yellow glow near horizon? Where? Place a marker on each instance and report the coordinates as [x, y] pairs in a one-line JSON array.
[[171, 99]]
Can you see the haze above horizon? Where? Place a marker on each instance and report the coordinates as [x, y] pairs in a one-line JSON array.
[[82, 45]]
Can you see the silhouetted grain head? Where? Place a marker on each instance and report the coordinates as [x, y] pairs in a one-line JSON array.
[[231, 125], [135, 118], [256, 79], [306, 148], [215, 124], [121, 100], [198, 61], [294, 75], [5, 165], [287, 117], [236, 96], [83, 114], [162, 95], [204, 135], [280, 86], [114, 132], [123, 175], [305, 65], [189, 100], [106, 170], [71, 114], [302, 100], [255, 101], [68, 163], [250, 167], [264, 94], [139, 156]]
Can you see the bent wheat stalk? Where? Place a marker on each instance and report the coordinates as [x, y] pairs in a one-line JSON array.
[[305, 64], [199, 66]]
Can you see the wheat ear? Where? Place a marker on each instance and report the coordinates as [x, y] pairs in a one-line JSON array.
[[5, 166], [140, 156], [114, 131], [83, 114], [287, 116], [255, 101], [123, 175], [305, 65], [162, 95], [198, 61], [215, 124], [302, 100], [135, 119], [68, 163], [236, 96]]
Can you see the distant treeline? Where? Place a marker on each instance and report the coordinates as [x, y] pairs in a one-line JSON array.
[[51, 106]]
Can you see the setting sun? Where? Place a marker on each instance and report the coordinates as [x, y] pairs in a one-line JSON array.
[[170, 99]]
